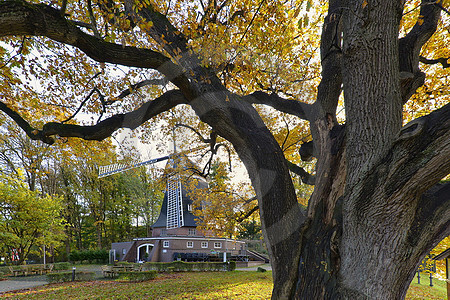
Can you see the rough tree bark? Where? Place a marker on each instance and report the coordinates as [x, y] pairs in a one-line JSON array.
[[377, 206]]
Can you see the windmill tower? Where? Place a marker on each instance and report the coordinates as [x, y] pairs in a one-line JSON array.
[[176, 217]]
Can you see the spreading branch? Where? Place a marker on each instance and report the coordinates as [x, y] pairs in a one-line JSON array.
[[305, 176], [103, 129], [293, 107], [443, 61], [410, 46], [425, 140]]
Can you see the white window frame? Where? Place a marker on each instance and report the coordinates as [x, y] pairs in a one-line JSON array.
[[189, 244], [217, 243], [204, 244], [166, 244], [189, 207]]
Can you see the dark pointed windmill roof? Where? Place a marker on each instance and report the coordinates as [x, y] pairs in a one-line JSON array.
[[188, 217]]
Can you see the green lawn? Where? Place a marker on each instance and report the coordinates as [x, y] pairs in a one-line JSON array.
[[424, 291], [199, 285]]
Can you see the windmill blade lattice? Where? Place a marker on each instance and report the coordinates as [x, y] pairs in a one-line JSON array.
[[108, 170], [104, 171], [174, 203]]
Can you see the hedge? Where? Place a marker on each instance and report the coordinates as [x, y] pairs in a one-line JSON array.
[[67, 276], [179, 266], [137, 276], [89, 255], [61, 266]]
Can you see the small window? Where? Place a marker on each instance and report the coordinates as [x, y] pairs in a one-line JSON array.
[[204, 244], [163, 232], [192, 231], [124, 251], [166, 244], [217, 245], [189, 207], [190, 244]]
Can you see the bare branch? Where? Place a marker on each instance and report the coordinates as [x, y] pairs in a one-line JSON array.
[[138, 85], [204, 140], [81, 106], [63, 7], [26, 127], [92, 18], [443, 61], [243, 217]]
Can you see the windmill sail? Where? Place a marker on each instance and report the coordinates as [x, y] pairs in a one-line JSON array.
[[174, 203], [104, 171]]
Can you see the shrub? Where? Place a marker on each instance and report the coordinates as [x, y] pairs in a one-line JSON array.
[[137, 276], [61, 266], [259, 269], [74, 256], [231, 265], [67, 276]]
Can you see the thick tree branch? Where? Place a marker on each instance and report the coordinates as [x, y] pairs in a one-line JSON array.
[[162, 31], [305, 176], [410, 46], [307, 151], [21, 18], [330, 86], [106, 127], [432, 216], [421, 151], [293, 107], [26, 127]]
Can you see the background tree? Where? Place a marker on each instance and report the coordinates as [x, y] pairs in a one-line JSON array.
[[377, 207], [27, 220], [221, 207]]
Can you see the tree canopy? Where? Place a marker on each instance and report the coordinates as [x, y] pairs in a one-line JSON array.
[[360, 86], [27, 219]]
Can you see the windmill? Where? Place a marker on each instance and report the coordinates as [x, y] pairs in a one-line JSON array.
[[175, 214]]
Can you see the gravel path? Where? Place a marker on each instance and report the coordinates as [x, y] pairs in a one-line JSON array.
[[20, 283], [26, 282]]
